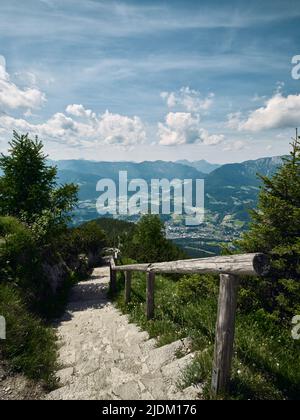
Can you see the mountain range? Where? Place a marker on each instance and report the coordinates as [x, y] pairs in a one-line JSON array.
[[201, 165], [230, 190]]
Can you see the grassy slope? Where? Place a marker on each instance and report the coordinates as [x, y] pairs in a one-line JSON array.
[[30, 346], [267, 360]]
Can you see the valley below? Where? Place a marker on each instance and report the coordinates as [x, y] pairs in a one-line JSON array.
[[231, 191]]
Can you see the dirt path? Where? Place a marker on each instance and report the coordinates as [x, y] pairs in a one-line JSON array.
[[14, 386], [106, 357]]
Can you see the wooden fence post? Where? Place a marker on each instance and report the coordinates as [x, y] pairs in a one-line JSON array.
[[113, 277], [127, 287], [150, 294], [224, 333]]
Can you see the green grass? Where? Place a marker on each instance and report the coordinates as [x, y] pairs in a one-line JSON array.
[[266, 361], [30, 346]]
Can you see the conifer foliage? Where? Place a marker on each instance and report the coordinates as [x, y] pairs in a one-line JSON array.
[[28, 187], [275, 230]]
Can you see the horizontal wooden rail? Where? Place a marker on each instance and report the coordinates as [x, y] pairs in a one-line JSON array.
[[133, 267], [230, 268], [244, 264]]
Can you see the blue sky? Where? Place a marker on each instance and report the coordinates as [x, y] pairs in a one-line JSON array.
[[146, 80]]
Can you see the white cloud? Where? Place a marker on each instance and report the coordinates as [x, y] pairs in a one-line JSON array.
[[278, 112], [234, 120], [189, 99], [78, 110], [26, 77], [106, 129], [210, 139], [235, 146], [13, 97], [121, 130], [184, 128]]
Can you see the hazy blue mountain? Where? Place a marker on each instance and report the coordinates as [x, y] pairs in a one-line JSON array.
[[86, 173], [233, 189], [200, 165], [145, 170], [244, 173]]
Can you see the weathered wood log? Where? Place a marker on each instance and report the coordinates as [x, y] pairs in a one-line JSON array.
[[112, 263], [245, 264], [150, 295], [127, 287], [113, 277], [133, 267], [224, 333]]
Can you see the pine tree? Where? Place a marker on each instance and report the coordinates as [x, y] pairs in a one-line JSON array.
[[275, 230], [28, 188]]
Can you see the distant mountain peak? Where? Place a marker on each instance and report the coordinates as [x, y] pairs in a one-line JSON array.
[[201, 165]]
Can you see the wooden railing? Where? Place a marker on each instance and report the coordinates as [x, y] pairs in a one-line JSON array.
[[229, 268]]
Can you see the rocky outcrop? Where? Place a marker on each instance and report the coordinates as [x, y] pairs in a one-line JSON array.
[[55, 274], [56, 270]]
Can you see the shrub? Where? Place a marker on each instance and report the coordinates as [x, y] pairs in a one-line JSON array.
[[84, 239], [193, 287], [20, 257], [149, 243]]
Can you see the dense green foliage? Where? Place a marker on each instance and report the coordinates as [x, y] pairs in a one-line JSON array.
[[144, 241], [20, 262], [118, 232], [275, 230], [149, 243]]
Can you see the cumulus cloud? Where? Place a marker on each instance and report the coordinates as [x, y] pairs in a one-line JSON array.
[[13, 97], [278, 112], [121, 130], [184, 128], [106, 129], [188, 99], [78, 110], [235, 146], [234, 120]]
